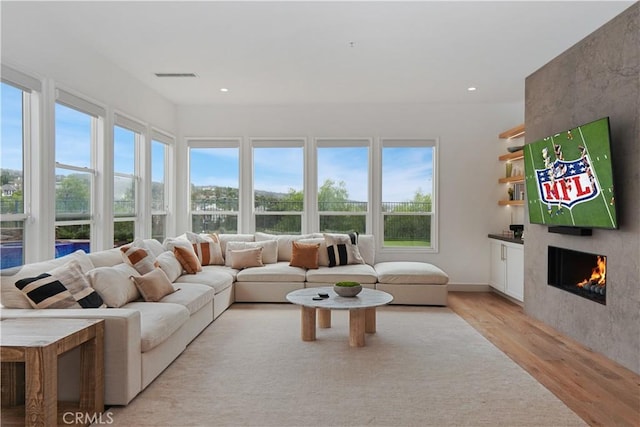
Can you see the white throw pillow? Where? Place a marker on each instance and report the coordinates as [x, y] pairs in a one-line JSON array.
[[114, 285], [168, 262]]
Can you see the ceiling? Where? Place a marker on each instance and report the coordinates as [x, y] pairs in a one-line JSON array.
[[317, 52]]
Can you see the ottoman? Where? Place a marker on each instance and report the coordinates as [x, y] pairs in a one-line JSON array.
[[413, 283]]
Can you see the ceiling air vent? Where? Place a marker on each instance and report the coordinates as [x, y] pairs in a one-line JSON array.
[[175, 75]]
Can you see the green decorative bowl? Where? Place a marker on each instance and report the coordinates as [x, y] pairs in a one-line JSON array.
[[347, 289]]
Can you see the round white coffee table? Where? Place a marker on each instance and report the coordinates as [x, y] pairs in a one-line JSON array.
[[362, 311]]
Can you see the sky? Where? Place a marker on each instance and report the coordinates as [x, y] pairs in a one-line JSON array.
[[405, 170]]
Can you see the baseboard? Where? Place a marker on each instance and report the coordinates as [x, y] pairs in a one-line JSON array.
[[469, 287]]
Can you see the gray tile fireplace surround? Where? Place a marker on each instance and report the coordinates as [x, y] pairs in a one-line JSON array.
[[598, 77]]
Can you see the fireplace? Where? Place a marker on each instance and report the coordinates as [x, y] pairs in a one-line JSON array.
[[580, 273]]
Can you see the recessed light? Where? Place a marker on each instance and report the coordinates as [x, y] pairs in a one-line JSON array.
[[224, 89], [471, 89], [175, 75]]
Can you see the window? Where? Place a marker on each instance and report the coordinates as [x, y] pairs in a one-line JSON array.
[[75, 141], [343, 184], [126, 144], [214, 168], [278, 198], [159, 196], [12, 206], [408, 193]]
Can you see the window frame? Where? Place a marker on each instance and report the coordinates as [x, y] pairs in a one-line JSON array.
[[434, 214]]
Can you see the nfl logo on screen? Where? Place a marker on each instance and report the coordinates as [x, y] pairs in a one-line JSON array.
[[567, 183]]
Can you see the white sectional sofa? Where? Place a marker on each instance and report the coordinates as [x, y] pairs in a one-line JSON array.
[[143, 338]]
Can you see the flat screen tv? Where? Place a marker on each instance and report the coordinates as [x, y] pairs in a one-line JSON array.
[[569, 178]]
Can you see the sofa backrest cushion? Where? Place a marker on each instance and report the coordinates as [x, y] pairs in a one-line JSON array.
[[367, 248], [12, 297], [225, 238]]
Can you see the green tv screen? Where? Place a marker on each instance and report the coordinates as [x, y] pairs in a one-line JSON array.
[[569, 179]]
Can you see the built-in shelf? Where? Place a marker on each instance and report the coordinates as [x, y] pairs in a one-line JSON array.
[[511, 202], [515, 132], [512, 156], [516, 178]]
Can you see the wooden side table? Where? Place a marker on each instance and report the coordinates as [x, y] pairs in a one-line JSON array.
[[37, 342]]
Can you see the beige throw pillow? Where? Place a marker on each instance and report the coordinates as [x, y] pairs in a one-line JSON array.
[[154, 285], [244, 258]]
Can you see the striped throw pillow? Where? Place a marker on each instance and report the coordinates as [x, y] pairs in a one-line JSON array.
[[62, 287], [342, 249], [207, 248]]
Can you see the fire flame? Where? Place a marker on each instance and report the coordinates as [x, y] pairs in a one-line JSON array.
[[598, 274]]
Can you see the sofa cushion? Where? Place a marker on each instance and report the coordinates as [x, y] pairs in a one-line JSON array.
[[158, 321], [154, 285], [12, 297], [62, 287], [304, 255], [193, 296], [216, 277], [226, 238], [362, 273], [343, 249], [408, 272], [106, 258], [114, 284], [279, 272]]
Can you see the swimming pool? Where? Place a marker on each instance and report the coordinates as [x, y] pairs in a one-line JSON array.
[[11, 254]]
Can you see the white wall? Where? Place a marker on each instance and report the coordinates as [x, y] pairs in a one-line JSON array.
[[86, 73], [469, 147]]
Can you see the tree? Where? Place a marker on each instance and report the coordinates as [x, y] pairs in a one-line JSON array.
[[73, 197]]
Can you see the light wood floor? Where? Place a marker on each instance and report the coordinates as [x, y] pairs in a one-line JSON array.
[[600, 391]]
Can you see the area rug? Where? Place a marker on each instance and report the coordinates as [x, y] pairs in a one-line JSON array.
[[425, 366]]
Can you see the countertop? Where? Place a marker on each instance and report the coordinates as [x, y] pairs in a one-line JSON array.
[[506, 239]]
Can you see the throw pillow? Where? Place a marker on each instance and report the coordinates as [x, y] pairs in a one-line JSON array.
[[244, 258], [168, 262], [137, 255], [304, 255], [342, 249], [269, 250], [323, 257], [154, 285], [187, 259], [62, 287], [207, 248], [113, 284]]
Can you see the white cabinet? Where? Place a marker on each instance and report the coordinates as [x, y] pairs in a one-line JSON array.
[[507, 268]]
